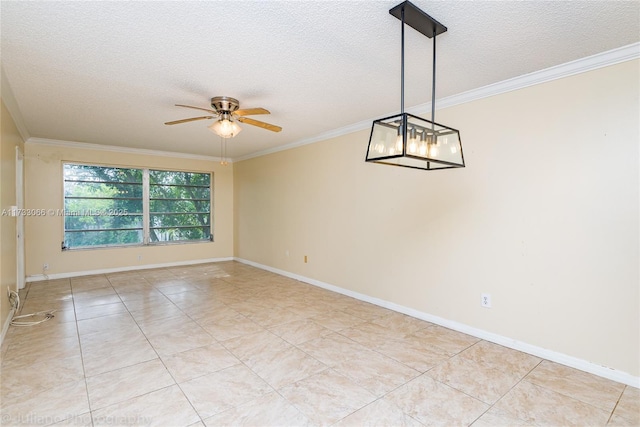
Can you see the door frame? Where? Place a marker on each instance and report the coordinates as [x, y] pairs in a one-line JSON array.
[[20, 268]]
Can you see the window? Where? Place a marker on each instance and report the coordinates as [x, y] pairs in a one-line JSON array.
[[102, 206], [179, 205], [108, 206]]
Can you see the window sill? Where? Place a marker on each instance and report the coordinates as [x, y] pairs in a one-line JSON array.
[[137, 245]]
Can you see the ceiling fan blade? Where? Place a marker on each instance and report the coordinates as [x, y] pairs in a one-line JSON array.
[[260, 124], [175, 122], [250, 111], [198, 108]]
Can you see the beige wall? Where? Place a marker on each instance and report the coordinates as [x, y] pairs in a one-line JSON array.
[[545, 218], [43, 188], [9, 140]]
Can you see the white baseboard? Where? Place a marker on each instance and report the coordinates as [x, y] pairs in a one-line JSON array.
[[40, 277], [554, 356], [5, 326]]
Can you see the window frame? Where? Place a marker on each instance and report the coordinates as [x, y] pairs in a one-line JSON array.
[[146, 213], [148, 229]]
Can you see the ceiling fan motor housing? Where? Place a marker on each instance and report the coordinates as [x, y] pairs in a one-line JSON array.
[[224, 104]]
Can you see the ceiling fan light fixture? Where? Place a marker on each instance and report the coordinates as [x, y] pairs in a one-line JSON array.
[[225, 127]]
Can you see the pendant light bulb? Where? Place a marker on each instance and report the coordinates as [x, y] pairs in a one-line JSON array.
[[398, 146], [423, 143], [413, 141]]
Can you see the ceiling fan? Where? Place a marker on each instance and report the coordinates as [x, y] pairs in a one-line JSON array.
[[227, 113]]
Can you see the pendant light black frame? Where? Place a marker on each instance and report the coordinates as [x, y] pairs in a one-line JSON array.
[[407, 151]]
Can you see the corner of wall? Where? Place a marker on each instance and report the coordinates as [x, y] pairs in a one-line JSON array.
[[10, 138]]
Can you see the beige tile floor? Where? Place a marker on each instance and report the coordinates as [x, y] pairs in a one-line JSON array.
[[228, 344]]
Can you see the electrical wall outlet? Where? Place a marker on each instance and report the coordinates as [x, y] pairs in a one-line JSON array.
[[45, 266], [485, 300], [305, 259]]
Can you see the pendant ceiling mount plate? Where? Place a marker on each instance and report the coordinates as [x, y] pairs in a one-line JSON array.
[[418, 20]]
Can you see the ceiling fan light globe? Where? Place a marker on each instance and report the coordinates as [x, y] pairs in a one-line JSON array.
[[225, 128]]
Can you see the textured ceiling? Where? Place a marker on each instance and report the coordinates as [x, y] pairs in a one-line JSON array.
[[110, 72]]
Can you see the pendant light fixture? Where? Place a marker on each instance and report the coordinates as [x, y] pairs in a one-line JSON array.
[[407, 140]]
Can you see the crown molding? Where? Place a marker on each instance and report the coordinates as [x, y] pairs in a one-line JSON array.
[[600, 60], [12, 105], [364, 124], [589, 63], [117, 149]]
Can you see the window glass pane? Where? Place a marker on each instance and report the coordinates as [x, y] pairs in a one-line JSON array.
[[157, 177], [102, 174], [167, 220], [98, 189], [103, 205], [102, 238], [177, 234], [178, 192], [180, 206], [102, 222], [112, 206]]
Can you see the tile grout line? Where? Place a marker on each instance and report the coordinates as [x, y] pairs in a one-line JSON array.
[[564, 394], [326, 367], [218, 342], [158, 355], [255, 373], [277, 391], [329, 367], [616, 405], [492, 405], [84, 372], [274, 390]]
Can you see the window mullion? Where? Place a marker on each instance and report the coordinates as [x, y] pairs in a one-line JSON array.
[[145, 206]]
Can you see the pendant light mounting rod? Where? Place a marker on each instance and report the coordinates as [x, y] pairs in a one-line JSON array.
[[433, 83], [402, 62], [410, 14]]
